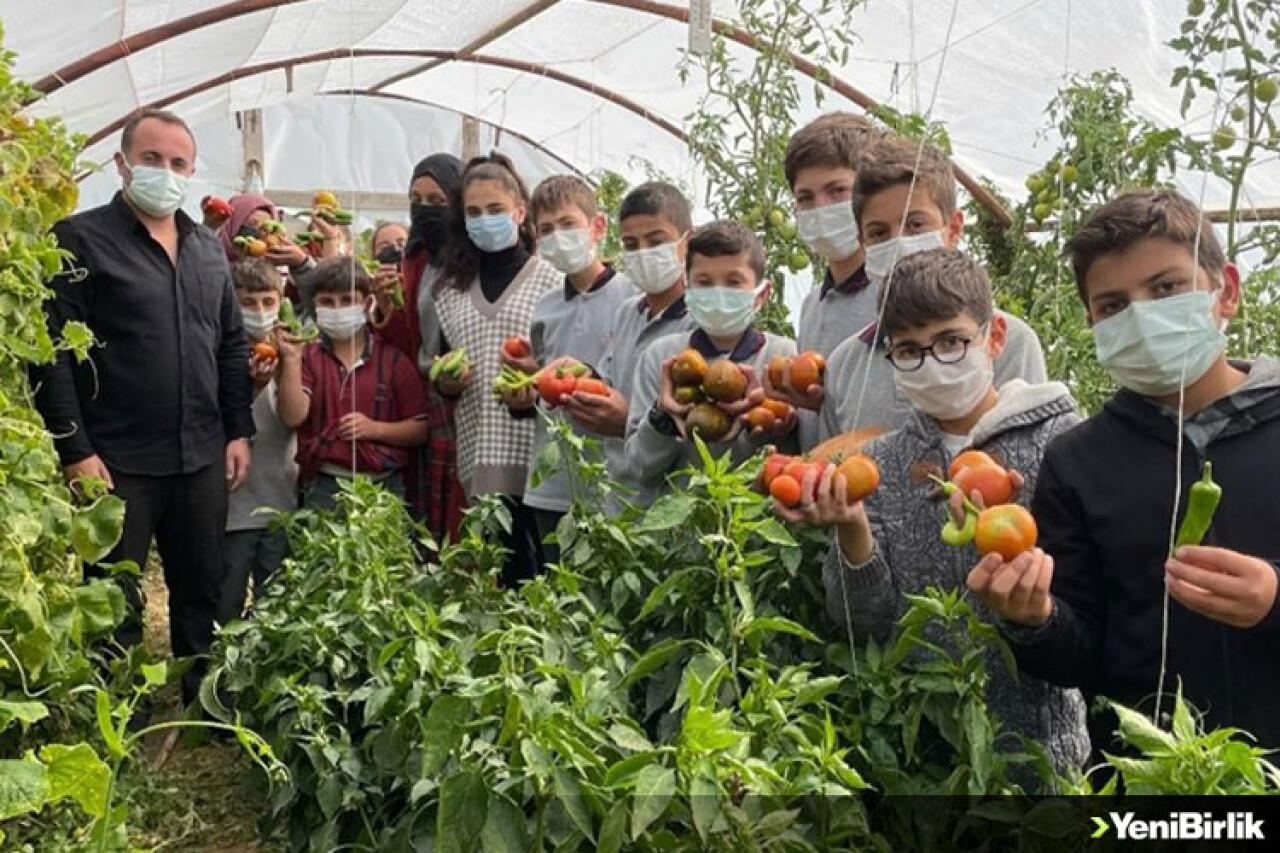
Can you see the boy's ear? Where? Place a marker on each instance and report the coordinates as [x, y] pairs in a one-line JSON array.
[[1229, 295], [954, 229], [766, 287], [599, 227], [120, 163], [997, 335]]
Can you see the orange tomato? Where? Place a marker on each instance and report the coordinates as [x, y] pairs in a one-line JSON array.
[[779, 367], [968, 459], [785, 490], [774, 466], [265, 351], [807, 369], [991, 481], [861, 476], [761, 418], [592, 386], [780, 410], [1006, 530], [256, 248]]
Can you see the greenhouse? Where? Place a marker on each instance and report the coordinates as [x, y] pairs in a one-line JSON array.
[[638, 425]]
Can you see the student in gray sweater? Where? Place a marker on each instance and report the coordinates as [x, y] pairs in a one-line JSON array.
[[725, 268], [249, 549], [821, 165], [575, 321], [653, 218], [904, 199], [943, 336]]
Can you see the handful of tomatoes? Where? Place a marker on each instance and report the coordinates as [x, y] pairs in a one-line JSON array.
[[998, 526]]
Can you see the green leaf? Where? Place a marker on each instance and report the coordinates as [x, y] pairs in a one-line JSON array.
[[442, 730], [25, 713], [628, 738], [24, 786], [78, 773], [669, 511], [106, 725], [570, 796], [662, 591], [620, 774], [1140, 732], [772, 531], [613, 832], [704, 800], [776, 625], [1184, 724], [99, 606], [155, 674], [654, 788], [464, 807], [96, 528], [505, 827], [1053, 819], [654, 659]]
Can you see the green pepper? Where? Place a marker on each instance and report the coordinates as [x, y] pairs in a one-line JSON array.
[[1202, 503], [952, 533]]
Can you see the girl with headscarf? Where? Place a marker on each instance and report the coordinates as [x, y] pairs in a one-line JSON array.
[[432, 487]]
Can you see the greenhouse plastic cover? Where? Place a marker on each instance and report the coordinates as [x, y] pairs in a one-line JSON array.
[[1000, 67]]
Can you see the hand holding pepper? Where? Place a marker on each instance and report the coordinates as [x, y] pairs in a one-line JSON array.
[[1227, 586]]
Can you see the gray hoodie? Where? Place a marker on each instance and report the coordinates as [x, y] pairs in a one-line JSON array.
[[907, 515]]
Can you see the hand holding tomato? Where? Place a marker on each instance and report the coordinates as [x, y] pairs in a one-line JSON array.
[[772, 418], [1016, 590], [286, 254], [777, 385], [521, 357], [1227, 586], [667, 396], [603, 414], [261, 368], [955, 503], [753, 397]]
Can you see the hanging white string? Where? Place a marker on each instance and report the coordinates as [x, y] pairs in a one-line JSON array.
[[871, 354], [354, 294], [1062, 187], [1181, 414]]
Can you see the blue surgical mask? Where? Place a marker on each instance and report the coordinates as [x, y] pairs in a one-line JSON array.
[[721, 311], [493, 232], [1155, 346], [156, 191]]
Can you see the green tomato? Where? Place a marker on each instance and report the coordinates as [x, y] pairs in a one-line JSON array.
[[1237, 113], [777, 217], [1224, 137], [1069, 173], [1045, 196], [1041, 212], [1195, 8], [1035, 184], [787, 231], [798, 261], [1266, 89]]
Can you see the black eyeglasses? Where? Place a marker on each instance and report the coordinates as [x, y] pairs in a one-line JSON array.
[[947, 349]]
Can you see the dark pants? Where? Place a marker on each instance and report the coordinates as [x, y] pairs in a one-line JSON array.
[[548, 520], [248, 554], [321, 492], [186, 515], [524, 562]]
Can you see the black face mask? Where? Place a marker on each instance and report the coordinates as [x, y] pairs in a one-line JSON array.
[[429, 226]]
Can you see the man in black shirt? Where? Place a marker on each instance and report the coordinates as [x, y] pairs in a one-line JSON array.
[[162, 414]]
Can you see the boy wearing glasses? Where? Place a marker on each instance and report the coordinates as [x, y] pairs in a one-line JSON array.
[[942, 338]]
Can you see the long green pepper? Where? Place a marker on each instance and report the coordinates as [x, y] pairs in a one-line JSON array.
[[1202, 504]]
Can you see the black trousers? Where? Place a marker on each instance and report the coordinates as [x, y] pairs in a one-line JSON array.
[[548, 520], [524, 562], [186, 515]]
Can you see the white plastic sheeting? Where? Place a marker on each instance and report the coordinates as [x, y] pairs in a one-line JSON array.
[[1003, 62]]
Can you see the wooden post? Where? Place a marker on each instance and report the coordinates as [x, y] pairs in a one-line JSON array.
[[252, 142], [470, 138]]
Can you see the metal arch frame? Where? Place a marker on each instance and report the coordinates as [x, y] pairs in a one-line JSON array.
[[227, 11], [381, 53], [515, 134]]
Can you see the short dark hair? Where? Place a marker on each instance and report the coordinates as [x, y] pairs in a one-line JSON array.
[[131, 126], [939, 284], [1133, 217], [560, 190], [658, 198], [255, 275], [727, 237], [895, 161], [835, 140], [341, 275]]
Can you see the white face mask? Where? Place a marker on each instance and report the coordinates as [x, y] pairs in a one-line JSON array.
[[157, 192], [568, 251], [1146, 346], [341, 324], [258, 323], [830, 231], [948, 391], [654, 270], [722, 311], [882, 257]]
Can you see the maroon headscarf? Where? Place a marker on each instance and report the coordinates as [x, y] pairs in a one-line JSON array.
[[243, 206]]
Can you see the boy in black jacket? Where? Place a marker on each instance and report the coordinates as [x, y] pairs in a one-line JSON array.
[[1086, 609]]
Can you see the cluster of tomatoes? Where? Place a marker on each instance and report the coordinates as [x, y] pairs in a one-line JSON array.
[[998, 526], [784, 477]]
